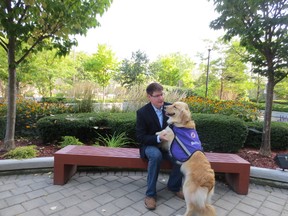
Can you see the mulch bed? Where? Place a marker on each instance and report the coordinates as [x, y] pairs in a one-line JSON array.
[[249, 154]]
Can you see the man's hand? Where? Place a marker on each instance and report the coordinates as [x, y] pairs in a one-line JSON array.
[[162, 135]]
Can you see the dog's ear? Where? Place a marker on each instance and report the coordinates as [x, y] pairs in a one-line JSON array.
[[185, 115]]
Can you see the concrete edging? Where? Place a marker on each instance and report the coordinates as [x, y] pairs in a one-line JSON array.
[[33, 163], [269, 174]]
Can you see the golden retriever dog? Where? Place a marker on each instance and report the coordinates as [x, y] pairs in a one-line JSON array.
[[199, 182]]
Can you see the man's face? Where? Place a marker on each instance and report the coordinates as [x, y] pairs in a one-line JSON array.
[[157, 99]]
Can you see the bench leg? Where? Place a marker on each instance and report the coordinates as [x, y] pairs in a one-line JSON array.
[[62, 173], [239, 182]]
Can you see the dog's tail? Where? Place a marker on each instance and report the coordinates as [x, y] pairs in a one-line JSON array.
[[201, 199]]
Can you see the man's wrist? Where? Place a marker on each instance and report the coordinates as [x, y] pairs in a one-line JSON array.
[[158, 139]]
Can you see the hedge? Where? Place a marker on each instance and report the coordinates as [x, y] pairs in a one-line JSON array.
[[85, 126], [217, 132], [279, 135], [220, 133]]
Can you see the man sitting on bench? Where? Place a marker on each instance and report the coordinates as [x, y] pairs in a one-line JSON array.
[[151, 119]]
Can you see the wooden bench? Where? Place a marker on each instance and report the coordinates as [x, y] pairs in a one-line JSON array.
[[66, 160]]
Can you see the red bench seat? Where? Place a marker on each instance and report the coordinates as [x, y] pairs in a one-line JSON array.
[[66, 160]]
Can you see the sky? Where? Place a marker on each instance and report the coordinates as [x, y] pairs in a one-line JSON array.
[[156, 27]]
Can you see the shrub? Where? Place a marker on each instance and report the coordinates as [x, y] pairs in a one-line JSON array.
[[29, 112], [276, 106], [219, 133], [279, 135], [23, 152], [116, 140], [85, 126], [69, 140], [243, 109], [53, 99], [2, 127]]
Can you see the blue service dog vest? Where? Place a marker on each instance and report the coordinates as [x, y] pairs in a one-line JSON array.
[[185, 143]]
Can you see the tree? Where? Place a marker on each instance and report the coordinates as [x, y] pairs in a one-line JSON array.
[[134, 71], [3, 72], [281, 89], [174, 70], [232, 71], [228, 77], [101, 66], [261, 26], [32, 25], [46, 70]]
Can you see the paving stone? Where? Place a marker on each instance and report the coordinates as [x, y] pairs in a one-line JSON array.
[[175, 203], [37, 193], [7, 187], [123, 202], [32, 204], [220, 211], [85, 195], [70, 201], [73, 211], [136, 196], [34, 212], [21, 190], [25, 181], [128, 211], [273, 206], [108, 209], [38, 185], [118, 192], [252, 202], [3, 203], [16, 199], [164, 210], [237, 212], [104, 198], [5, 194], [139, 206], [277, 198], [225, 204], [12, 210], [246, 208], [52, 197], [268, 212], [85, 186], [52, 208], [66, 192], [88, 205]]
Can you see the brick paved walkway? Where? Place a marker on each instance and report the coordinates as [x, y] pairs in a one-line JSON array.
[[122, 194]]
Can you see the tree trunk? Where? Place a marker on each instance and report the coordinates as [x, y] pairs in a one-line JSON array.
[[221, 88], [265, 148], [9, 142], [258, 88], [103, 94]]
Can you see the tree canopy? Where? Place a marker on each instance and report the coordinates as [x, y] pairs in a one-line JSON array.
[[31, 25], [174, 69], [101, 66], [134, 71], [261, 26]]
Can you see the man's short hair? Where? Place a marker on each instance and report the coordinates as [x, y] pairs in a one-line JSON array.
[[153, 87]]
